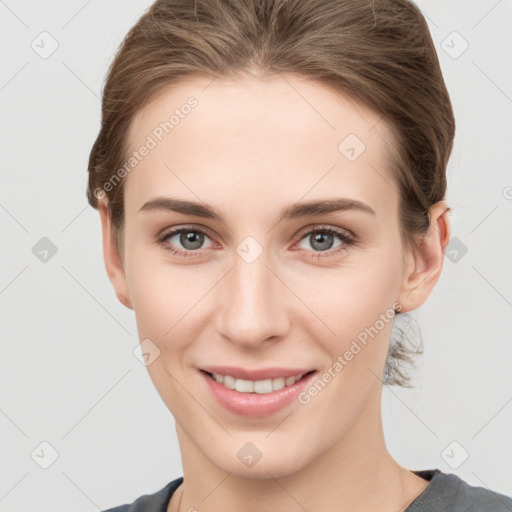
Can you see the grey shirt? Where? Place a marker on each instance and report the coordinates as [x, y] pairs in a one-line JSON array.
[[445, 493]]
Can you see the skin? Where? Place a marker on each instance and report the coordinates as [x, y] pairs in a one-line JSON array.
[[251, 147]]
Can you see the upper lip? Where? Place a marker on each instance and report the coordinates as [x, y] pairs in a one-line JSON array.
[[256, 374]]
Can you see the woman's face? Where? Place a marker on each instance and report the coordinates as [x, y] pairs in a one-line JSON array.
[[263, 285]]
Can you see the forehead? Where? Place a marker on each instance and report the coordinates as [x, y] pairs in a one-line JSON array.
[[280, 135]]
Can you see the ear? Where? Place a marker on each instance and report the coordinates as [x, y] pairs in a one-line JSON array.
[[423, 264], [113, 261]]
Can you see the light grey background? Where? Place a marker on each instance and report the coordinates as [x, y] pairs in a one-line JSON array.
[[68, 373]]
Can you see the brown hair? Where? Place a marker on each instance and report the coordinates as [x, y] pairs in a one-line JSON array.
[[378, 52]]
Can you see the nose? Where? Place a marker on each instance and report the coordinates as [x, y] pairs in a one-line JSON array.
[[252, 304]]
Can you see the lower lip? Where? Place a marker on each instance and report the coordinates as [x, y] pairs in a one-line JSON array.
[[255, 405]]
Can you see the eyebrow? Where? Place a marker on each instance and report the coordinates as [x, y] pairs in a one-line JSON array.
[[294, 211]]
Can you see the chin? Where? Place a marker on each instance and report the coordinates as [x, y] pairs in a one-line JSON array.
[[267, 461]]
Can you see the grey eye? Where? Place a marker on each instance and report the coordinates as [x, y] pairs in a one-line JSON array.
[[321, 240], [189, 239]]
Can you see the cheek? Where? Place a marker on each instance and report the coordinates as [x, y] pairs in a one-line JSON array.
[[169, 300], [353, 296], [163, 302], [355, 305]]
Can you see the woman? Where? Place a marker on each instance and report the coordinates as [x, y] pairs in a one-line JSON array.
[[270, 176]]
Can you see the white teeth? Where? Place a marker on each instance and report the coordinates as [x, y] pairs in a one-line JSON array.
[[244, 386], [229, 381], [290, 380], [278, 383], [255, 386], [263, 386]]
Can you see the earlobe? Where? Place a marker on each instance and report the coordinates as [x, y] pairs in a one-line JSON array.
[[425, 263], [124, 300], [113, 261]]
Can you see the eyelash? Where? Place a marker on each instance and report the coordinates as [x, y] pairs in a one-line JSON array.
[[347, 240]]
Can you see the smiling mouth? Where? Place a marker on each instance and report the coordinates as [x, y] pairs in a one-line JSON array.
[[264, 386]]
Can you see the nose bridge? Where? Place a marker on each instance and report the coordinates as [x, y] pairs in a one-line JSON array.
[[251, 309]]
